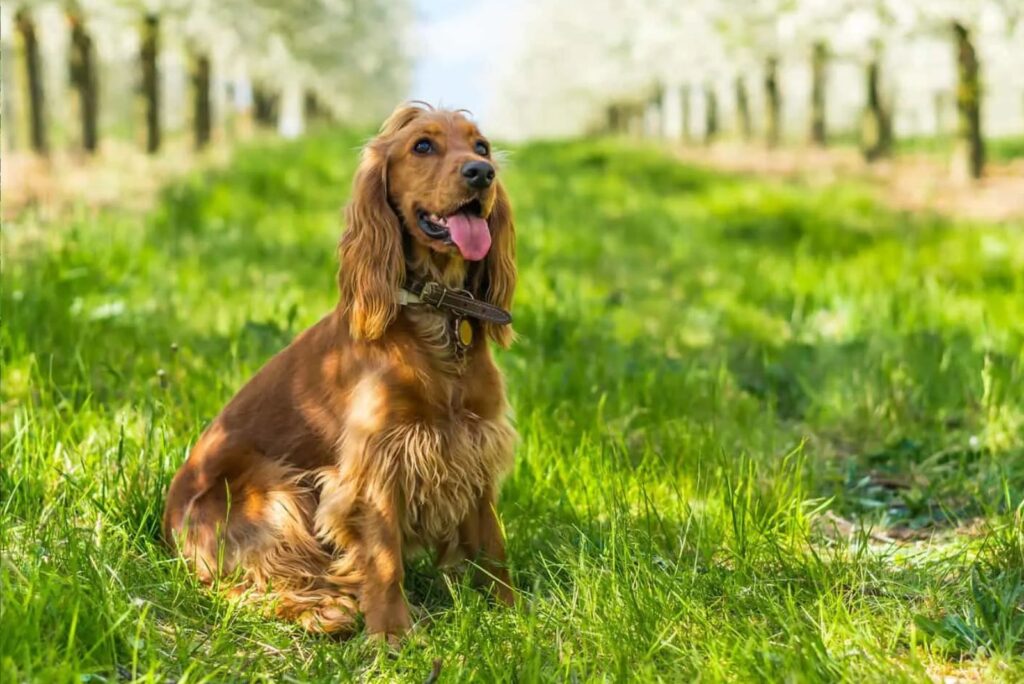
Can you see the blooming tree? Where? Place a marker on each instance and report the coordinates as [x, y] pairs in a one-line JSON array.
[[579, 69], [349, 57]]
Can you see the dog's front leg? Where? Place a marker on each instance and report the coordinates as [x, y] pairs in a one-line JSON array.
[[480, 540], [382, 599]]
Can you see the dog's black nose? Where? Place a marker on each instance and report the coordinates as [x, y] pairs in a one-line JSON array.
[[478, 174]]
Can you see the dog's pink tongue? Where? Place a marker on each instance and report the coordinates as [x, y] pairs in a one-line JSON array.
[[470, 234]]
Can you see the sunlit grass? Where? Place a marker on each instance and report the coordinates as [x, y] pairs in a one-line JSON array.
[[733, 396]]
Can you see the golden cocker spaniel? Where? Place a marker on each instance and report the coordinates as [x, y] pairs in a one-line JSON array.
[[382, 429]]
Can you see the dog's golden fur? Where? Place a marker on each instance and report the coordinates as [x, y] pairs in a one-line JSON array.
[[368, 437]]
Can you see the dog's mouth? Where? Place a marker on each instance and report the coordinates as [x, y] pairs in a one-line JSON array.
[[464, 227]]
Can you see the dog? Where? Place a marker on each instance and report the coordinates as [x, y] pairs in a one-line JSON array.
[[383, 429]]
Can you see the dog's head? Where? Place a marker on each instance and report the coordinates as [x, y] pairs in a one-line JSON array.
[[426, 199]]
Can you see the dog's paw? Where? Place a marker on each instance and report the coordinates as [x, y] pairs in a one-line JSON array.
[[329, 617]]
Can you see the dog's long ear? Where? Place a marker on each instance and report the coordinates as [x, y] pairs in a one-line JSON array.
[[500, 278], [372, 264]]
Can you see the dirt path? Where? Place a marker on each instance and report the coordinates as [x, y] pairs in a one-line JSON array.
[[120, 175], [913, 182], [124, 176]]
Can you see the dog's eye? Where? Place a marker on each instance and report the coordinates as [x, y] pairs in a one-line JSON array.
[[423, 146], [481, 148]]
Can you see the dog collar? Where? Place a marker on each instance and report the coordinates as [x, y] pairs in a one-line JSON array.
[[459, 302]]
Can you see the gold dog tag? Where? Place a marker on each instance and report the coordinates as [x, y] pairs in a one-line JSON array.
[[465, 332]]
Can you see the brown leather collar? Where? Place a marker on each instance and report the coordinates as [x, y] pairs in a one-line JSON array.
[[459, 302]]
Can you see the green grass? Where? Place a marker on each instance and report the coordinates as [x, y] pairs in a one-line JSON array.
[[710, 369]]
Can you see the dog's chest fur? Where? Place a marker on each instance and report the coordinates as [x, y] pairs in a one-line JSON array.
[[445, 464]]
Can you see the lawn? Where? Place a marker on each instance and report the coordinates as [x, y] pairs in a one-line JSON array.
[[769, 432]]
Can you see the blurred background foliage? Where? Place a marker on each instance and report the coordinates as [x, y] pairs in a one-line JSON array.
[[776, 70], [138, 68], [944, 76]]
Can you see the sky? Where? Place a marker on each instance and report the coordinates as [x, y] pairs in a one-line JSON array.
[[459, 48]]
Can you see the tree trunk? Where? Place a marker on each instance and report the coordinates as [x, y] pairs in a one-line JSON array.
[[151, 80], [686, 113], [264, 107], [743, 109], [636, 120], [202, 114], [83, 78], [290, 122], [710, 114], [653, 114], [819, 64], [968, 103], [8, 105], [876, 131], [612, 119], [33, 69], [773, 102], [312, 107]]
